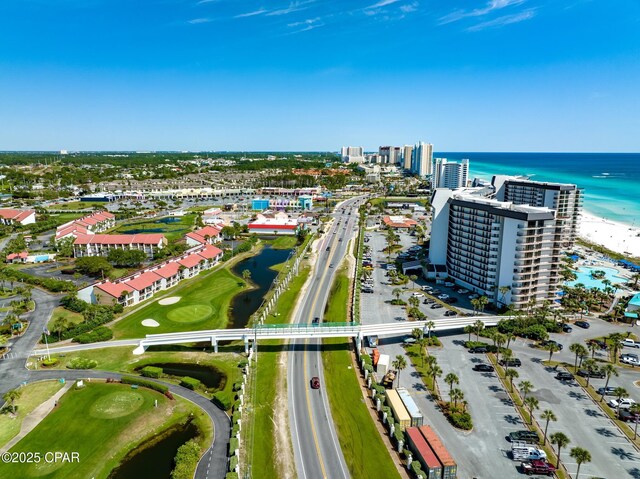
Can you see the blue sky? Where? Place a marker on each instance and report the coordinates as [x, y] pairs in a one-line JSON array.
[[486, 75]]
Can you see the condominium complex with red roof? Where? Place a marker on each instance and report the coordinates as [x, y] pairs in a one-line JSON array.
[[206, 235], [93, 223], [147, 282], [101, 244], [22, 217]]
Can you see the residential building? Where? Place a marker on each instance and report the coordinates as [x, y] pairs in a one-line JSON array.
[[390, 155], [407, 151], [421, 159], [22, 217], [352, 154], [101, 244], [273, 224], [449, 174], [397, 222], [93, 223], [206, 235], [565, 199], [509, 253]]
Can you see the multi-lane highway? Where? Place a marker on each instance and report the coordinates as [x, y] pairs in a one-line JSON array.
[[315, 443]]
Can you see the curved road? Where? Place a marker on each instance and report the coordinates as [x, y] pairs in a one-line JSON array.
[[315, 444]]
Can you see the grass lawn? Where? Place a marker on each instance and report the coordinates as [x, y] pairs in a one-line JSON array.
[[284, 242], [33, 395], [204, 304], [264, 449], [74, 205], [61, 312], [364, 451], [123, 360], [173, 231], [101, 422], [63, 218]]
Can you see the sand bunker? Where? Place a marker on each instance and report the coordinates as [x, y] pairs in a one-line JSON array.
[[151, 323], [171, 300]]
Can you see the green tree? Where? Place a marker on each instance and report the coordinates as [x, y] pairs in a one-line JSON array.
[[511, 374], [246, 275], [526, 387], [11, 397], [468, 330], [416, 333], [399, 364], [591, 366], [422, 348], [430, 325], [396, 293], [548, 415], [532, 404], [614, 342], [435, 372], [456, 395], [478, 326], [561, 440], [64, 247], [413, 279], [579, 350], [609, 370], [620, 393], [95, 266], [552, 348], [59, 325], [580, 455], [451, 379]]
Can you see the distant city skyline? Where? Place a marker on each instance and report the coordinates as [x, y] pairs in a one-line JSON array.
[[312, 75]]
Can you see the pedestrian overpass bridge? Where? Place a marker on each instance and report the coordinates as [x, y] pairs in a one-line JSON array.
[[284, 331]]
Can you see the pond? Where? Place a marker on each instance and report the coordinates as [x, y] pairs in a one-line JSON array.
[[155, 460], [246, 303], [207, 375]]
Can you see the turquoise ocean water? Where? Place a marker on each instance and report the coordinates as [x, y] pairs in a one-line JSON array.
[[611, 181]]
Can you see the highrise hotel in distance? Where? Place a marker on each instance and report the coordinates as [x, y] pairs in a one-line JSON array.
[[505, 241]]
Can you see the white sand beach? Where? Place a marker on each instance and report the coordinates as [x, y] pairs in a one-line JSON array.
[[616, 236]]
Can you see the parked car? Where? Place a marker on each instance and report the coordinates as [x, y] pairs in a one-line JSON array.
[[524, 436], [449, 284], [427, 288], [629, 360], [463, 291], [600, 342], [511, 363], [625, 403], [630, 343], [582, 324], [316, 320], [474, 296], [450, 313], [409, 340], [427, 301], [628, 416], [564, 376], [443, 296], [594, 373], [451, 300], [315, 382], [418, 294], [483, 367], [478, 349], [608, 391], [566, 328], [538, 466], [436, 306]]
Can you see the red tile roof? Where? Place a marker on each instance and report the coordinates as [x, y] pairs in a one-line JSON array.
[[22, 255], [190, 261], [168, 270], [144, 280], [114, 289], [396, 222], [148, 239], [15, 215], [210, 252]]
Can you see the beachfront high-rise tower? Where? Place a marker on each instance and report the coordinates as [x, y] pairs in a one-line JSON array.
[[565, 199], [506, 252], [421, 159], [448, 174]]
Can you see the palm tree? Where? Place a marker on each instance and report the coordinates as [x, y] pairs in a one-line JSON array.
[[526, 387], [503, 290], [591, 366], [580, 455], [422, 348], [482, 302], [548, 415], [468, 330], [635, 410], [552, 348], [246, 274], [413, 278], [500, 339], [620, 393], [579, 350], [592, 347], [451, 379], [609, 370], [509, 337], [478, 327], [561, 440], [435, 371], [396, 292], [476, 305], [614, 341], [11, 397], [532, 404], [416, 333], [456, 395], [400, 363], [429, 325], [511, 374], [414, 301], [59, 325]]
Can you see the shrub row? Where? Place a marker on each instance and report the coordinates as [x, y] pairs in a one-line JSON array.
[[151, 372], [186, 460], [82, 363], [145, 384], [189, 383], [101, 333], [51, 284]]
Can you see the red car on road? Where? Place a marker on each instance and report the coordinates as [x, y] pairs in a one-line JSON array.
[[315, 382]]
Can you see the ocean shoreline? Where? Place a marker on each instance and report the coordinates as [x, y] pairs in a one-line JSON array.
[[614, 235]]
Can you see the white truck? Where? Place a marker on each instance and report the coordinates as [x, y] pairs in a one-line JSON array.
[[383, 364], [522, 451]]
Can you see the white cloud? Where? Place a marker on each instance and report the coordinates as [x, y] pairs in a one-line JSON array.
[[409, 7], [307, 22], [491, 6], [260, 11], [381, 3], [197, 21], [504, 20], [293, 7]]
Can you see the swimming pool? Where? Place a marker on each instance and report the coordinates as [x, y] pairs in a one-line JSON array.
[[584, 276]]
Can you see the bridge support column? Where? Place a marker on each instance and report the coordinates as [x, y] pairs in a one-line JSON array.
[[214, 343], [359, 337], [246, 345]]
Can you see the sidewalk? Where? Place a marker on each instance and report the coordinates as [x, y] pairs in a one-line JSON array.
[[34, 417]]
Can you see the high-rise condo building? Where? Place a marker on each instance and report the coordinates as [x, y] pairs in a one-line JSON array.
[[352, 154], [406, 156], [421, 159], [509, 253], [565, 199], [390, 155], [450, 174]]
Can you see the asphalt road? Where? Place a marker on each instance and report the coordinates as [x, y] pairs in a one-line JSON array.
[[315, 444]]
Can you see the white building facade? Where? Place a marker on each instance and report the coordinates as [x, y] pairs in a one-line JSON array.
[[450, 174]]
